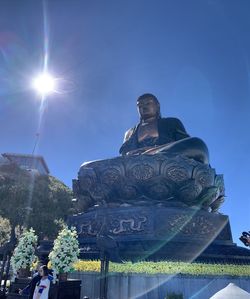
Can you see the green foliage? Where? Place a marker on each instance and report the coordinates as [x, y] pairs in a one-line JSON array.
[[4, 230], [33, 200], [170, 268], [51, 202], [14, 193]]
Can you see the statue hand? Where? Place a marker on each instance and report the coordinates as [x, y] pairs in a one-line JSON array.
[[139, 151]]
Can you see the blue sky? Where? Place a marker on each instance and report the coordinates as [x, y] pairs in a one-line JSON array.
[[193, 55]]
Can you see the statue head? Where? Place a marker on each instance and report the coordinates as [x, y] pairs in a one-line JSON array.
[[148, 106]]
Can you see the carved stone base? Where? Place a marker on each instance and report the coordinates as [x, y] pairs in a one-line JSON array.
[[155, 233]]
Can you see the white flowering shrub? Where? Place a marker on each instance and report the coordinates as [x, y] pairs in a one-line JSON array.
[[65, 251], [24, 253]]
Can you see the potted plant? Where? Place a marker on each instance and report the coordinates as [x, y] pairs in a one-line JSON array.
[[24, 254], [64, 253]]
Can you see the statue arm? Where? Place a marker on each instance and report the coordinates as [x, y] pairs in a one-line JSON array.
[[128, 134], [128, 142], [171, 129], [180, 131]]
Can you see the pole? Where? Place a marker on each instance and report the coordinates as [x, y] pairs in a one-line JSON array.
[[104, 275], [106, 269]]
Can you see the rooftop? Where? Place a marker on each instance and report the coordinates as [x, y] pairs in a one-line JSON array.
[[28, 162]]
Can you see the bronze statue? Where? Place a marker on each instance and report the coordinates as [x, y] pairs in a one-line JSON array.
[[155, 134], [160, 164], [156, 200]]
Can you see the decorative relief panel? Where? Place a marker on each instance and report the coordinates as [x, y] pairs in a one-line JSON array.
[[114, 225], [192, 225]]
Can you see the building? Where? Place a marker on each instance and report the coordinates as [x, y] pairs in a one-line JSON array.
[[27, 162]]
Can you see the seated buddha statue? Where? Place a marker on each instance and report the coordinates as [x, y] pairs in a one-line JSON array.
[[159, 164], [155, 134]]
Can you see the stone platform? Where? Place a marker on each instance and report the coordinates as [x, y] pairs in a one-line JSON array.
[[157, 233], [158, 286]]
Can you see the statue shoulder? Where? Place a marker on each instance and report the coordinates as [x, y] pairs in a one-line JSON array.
[[175, 125], [170, 121], [129, 133]]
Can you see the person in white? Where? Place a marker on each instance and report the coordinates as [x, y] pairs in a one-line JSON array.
[[42, 287]]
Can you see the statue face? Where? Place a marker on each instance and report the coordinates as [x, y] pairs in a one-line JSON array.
[[147, 108]]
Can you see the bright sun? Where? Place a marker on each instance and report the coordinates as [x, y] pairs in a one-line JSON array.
[[44, 84]]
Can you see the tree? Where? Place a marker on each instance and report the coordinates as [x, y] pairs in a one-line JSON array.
[[31, 200], [4, 230]]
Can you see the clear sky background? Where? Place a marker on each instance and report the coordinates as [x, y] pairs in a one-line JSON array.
[[193, 55]]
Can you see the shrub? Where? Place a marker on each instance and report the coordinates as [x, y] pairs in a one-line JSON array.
[[167, 268]]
